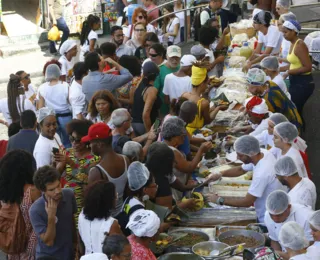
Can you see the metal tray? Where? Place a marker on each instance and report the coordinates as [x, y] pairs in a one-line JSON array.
[[248, 233]]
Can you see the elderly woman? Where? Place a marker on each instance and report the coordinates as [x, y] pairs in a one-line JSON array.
[[139, 33], [95, 219], [116, 247], [270, 66], [68, 53], [276, 100], [174, 133], [77, 160], [299, 71], [147, 102], [144, 225], [269, 38], [133, 151], [293, 239], [284, 135], [205, 115], [49, 141], [314, 222], [101, 106], [55, 94]]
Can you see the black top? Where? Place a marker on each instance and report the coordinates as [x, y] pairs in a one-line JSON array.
[[141, 54], [138, 104]]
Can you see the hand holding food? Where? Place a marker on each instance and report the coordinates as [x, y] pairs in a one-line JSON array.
[[213, 177], [205, 147], [211, 197]]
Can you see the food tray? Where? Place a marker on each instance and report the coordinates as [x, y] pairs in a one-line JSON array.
[[222, 228]]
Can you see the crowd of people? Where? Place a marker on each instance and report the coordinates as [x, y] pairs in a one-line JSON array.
[[110, 136]]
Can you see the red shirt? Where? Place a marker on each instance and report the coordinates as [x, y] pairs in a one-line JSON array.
[[107, 67], [3, 147], [139, 251]]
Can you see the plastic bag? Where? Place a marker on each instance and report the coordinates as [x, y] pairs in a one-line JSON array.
[[54, 34]]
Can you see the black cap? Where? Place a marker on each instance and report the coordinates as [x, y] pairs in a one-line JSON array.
[[150, 68]]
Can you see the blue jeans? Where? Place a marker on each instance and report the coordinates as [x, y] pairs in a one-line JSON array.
[[62, 132], [182, 34], [62, 26]]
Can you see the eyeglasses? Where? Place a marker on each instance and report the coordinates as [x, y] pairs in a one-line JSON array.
[[142, 17], [72, 139], [153, 54], [140, 30]]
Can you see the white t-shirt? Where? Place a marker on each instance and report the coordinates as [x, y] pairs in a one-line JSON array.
[[296, 157], [314, 251], [93, 232], [282, 85], [264, 182], [31, 93], [304, 193], [43, 150], [214, 71], [175, 86], [261, 127], [273, 39], [265, 139], [77, 99], [150, 28], [66, 66], [180, 15], [285, 48], [300, 257], [170, 29], [23, 105], [56, 96], [299, 213], [86, 46]]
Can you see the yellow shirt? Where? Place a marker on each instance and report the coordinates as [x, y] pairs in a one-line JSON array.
[[294, 60], [198, 122]]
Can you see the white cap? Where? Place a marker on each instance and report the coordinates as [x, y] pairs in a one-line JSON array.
[[287, 131], [187, 60], [292, 236], [45, 112], [174, 51], [277, 202], [285, 166], [138, 175], [67, 46], [247, 145], [144, 223], [315, 220]]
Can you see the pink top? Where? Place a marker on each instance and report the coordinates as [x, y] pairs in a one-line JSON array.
[[139, 251], [154, 14]]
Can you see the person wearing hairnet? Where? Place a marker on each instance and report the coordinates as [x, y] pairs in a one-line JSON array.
[[292, 238], [314, 222], [301, 190], [269, 38], [280, 211], [283, 6], [55, 94], [270, 66], [284, 135], [144, 225], [276, 100], [68, 51], [48, 138], [264, 180]]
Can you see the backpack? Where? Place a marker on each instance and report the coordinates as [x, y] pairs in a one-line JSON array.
[[13, 236], [261, 253], [197, 22]]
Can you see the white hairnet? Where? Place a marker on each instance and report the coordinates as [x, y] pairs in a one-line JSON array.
[[284, 3], [285, 166], [144, 223], [292, 236], [287, 17], [67, 46], [277, 202], [45, 112], [172, 127], [53, 72], [287, 131], [315, 220], [132, 149], [247, 145], [270, 63], [256, 77], [94, 256], [277, 118], [138, 175]]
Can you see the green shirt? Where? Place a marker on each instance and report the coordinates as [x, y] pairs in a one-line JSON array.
[[159, 83]]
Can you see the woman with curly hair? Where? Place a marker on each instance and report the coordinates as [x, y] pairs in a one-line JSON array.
[[16, 187], [95, 219], [101, 106], [76, 161], [139, 16]]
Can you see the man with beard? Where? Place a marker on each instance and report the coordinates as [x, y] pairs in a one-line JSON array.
[[301, 190], [52, 216], [264, 180], [117, 38]]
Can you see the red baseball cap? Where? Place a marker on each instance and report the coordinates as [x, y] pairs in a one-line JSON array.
[[97, 131]]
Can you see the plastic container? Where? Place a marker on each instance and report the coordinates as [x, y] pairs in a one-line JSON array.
[[245, 50]]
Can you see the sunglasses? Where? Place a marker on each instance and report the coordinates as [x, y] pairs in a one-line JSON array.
[[72, 139], [142, 17], [153, 55], [140, 30]]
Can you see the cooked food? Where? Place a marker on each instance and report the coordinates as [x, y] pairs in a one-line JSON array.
[[189, 240], [204, 174], [222, 103], [174, 217], [199, 200], [235, 240], [202, 252], [206, 133]]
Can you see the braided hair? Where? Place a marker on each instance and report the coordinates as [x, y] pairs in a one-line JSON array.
[[87, 26], [13, 97]]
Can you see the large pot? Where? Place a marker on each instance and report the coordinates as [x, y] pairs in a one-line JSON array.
[[210, 246], [180, 256], [247, 233]]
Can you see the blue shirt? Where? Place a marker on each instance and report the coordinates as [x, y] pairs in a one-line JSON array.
[[63, 243]]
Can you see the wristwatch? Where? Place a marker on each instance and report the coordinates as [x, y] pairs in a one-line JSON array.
[[220, 201]]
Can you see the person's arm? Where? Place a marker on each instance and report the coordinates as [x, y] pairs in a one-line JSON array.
[[259, 58], [245, 202], [254, 55], [301, 51], [41, 102], [166, 88], [175, 29], [275, 245], [62, 160], [178, 185], [233, 172], [115, 228], [49, 236], [221, 42], [95, 175], [92, 43], [165, 201], [150, 97]]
